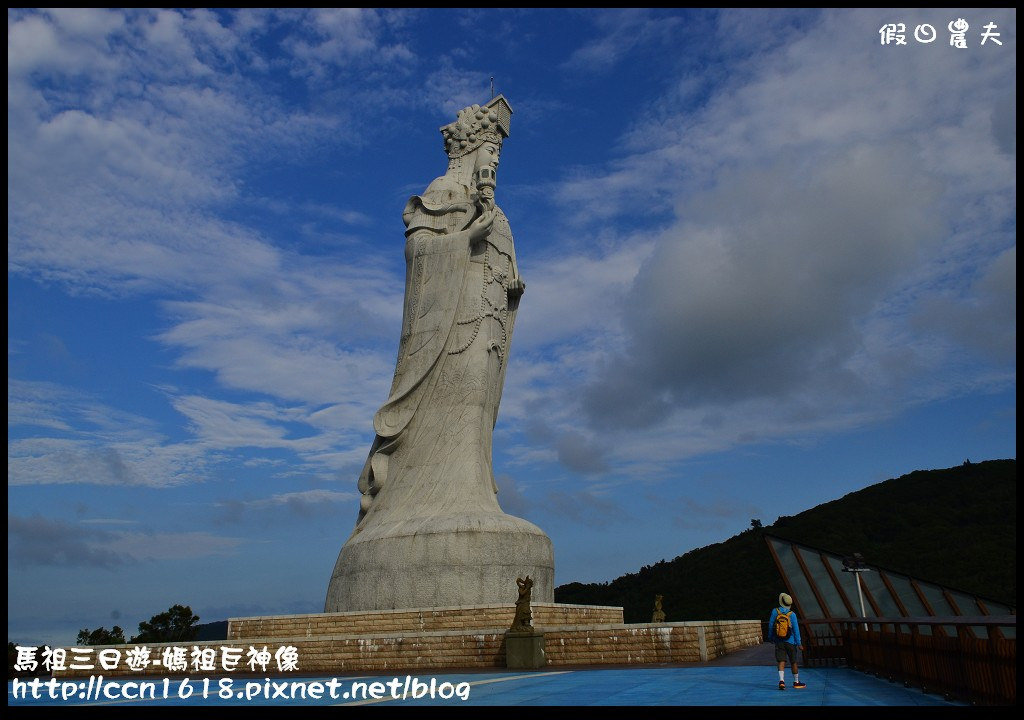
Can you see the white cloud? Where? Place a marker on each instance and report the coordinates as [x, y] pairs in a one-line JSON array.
[[834, 205], [76, 40], [323, 442], [225, 425], [449, 89], [89, 442], [113, 181], [33, 404], [89, 459], [318, 338], [311, 496], [301, 498], [342, 35], [760, 287], [576, 294]]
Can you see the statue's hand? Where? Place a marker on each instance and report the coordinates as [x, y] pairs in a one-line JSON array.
[[516, 288], [480, 227]]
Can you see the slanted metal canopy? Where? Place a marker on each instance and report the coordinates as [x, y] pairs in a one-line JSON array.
[[821, 590]]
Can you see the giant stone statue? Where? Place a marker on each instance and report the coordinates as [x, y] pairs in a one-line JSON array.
[[430, 532]]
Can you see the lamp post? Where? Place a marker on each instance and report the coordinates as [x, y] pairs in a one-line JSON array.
[[855, 565]]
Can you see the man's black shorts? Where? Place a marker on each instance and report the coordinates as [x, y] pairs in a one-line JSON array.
[[785, 651]]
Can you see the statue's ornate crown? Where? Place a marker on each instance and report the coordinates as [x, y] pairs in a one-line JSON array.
[[476, 125]]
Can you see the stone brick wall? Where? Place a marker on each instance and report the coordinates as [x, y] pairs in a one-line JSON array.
[[649, 643], [478, 617], [726, 636], [566, 645], [340, 654]]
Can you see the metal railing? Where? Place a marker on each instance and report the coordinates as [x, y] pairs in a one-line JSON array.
[[945, 655]]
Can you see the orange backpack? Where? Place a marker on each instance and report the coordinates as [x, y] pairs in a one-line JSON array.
[[783, 625]]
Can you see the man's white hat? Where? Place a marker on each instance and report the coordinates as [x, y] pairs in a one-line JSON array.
[[785, 600]]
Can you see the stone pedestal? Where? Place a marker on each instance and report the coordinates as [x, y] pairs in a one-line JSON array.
[[524, 650], [470, 559]]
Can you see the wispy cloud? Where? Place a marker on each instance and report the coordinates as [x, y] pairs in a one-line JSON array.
[[301, 505], [38, 541], [689, 514], [339, 36], [622, 31], [147, 547], [89, 442], [305, 497], [584, 507], [294, 335], [450, 88]]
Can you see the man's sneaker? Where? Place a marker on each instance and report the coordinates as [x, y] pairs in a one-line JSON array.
[[782, 684], [799, 685]]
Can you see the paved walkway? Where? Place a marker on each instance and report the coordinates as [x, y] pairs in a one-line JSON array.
[[747, 678]]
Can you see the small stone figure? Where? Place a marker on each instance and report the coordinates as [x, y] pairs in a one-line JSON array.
[[659, 614], [523, 621]]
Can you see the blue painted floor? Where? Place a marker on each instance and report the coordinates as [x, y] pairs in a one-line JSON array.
[[705, 685]]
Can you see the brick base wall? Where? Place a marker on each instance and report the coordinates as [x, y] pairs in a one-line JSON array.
[[649, 643], [474, 617], [458, 648]]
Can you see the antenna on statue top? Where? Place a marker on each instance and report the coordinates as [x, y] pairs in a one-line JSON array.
[[492, 87]]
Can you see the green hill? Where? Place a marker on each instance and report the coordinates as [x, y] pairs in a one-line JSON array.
[[956, 527]]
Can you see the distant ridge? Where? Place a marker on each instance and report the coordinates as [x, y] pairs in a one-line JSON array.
[[212, 631], [956, 527]]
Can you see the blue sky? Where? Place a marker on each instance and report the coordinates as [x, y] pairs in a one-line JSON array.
[[769, 261]]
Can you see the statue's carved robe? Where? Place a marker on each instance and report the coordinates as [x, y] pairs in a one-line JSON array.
[[430, 531], [432, 453]]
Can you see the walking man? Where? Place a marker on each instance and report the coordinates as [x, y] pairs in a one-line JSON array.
[[784, 631]]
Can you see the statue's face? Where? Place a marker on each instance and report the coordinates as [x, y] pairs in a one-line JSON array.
[[487, 155]]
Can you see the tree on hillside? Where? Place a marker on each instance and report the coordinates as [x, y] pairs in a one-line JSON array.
[[175, 625], [101, 636]]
